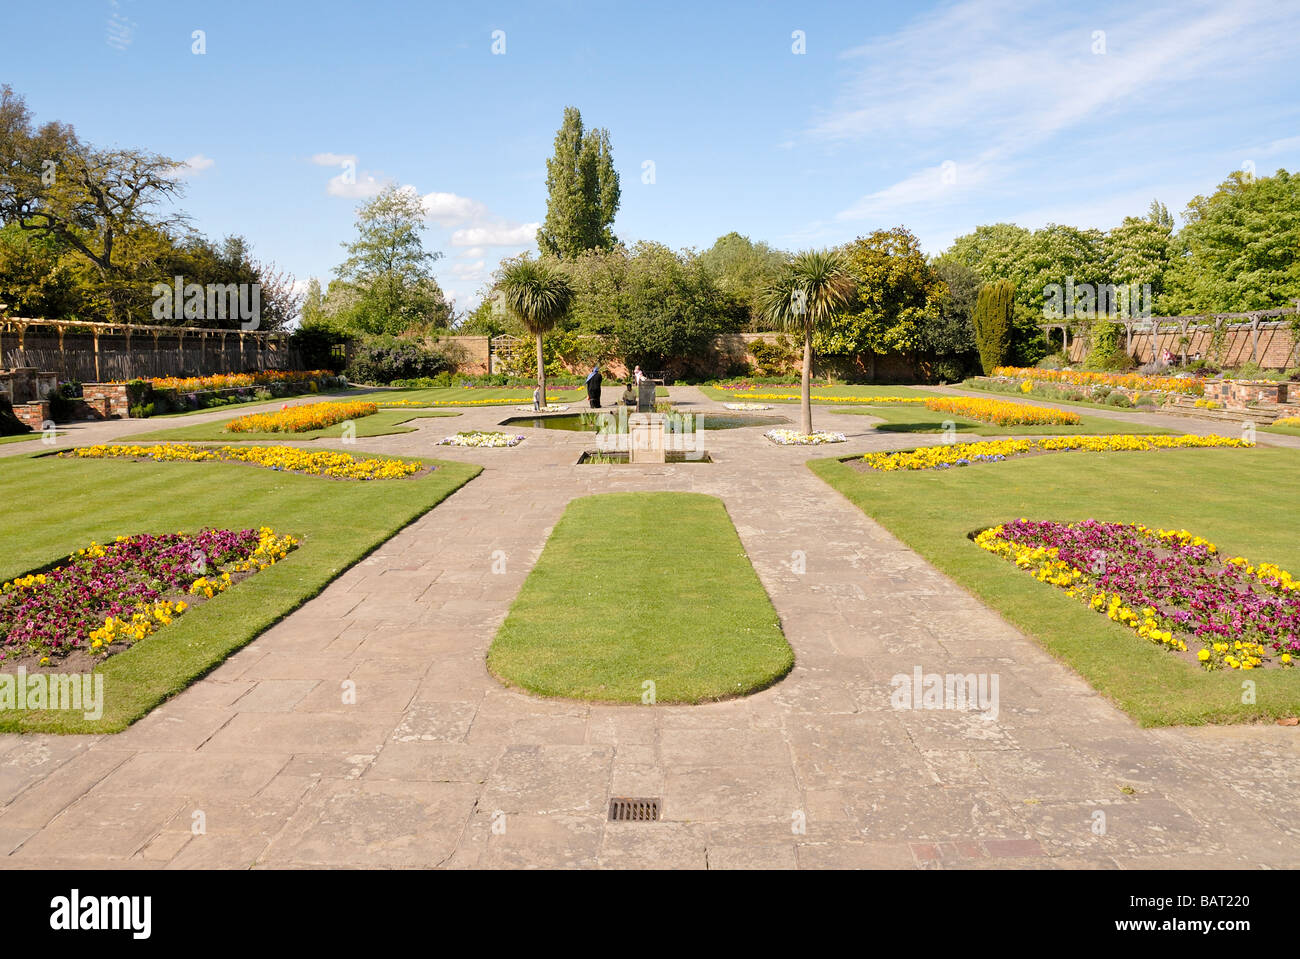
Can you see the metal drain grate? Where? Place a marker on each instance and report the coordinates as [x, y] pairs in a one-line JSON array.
[[634, 810]]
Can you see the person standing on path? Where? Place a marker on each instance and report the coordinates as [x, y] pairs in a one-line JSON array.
[[594, 379]]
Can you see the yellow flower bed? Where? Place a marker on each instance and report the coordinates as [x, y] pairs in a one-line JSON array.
[[1287, 421], [1001, 412], [286, 458], [963, 454], [499, 401], [301, 419], [1132, 381], [855, 400]]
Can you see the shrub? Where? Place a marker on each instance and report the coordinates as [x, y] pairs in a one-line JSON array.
[[141, 411], [382, 360], [1108, 350], [947, 370], [1118, 399], [993, 322], [10, 425]]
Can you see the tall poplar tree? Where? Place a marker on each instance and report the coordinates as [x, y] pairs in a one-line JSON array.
[[582, 191]]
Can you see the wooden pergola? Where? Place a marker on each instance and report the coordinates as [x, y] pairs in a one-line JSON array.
[[18, 326], [1157, 326]]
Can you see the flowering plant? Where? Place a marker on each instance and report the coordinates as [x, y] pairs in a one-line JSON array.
[[1133, 381], [1169, 586], [787, 437], [482, 440], [747, 407], [118, 593], [301, 419], [1001, 412], [948, 455], [286, 458]]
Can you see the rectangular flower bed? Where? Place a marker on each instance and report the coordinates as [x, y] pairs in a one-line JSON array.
[[106, 597], [1002, 412], [301, 419], [948, 455], [287, 458], [1169, 586]]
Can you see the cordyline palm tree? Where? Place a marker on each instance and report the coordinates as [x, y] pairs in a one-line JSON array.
[[540, 296], [815, 287]]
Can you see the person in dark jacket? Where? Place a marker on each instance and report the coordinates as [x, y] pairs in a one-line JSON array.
[[594, 380]]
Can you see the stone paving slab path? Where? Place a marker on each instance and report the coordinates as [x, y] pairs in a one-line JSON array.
[[437, 764]]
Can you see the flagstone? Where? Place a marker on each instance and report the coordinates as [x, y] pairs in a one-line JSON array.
[[438, 764]]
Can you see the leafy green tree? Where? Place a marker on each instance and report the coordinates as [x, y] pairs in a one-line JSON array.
[[388, 269], [950, 338], [539, 295], [993, 323], [742, 269], [37, 277], [1239, 249], [812, 292], [582, 191], [898, 295], [1137, 252], [667, 307], [313, 305], [106, 205]]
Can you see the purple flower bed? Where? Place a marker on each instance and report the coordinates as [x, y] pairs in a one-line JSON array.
[[1171, 577], [54, 613]]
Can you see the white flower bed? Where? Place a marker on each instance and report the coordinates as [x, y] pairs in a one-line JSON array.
[[482, 440], [747, 407], [795, 438], [548, 408]]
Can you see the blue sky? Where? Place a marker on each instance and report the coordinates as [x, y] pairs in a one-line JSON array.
[[937, 116]]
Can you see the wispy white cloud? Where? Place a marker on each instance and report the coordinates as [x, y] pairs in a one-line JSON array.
[[448, 209], [501, 235], [1004, 79], [194, 166]]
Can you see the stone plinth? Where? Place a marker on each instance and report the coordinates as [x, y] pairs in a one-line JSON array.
[[645, 438]]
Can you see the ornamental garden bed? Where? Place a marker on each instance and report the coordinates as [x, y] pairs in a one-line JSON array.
[[1170, 587], [105, 598], [329, 464], [337, 524], [301, 419], [945, 456], [934, 511]]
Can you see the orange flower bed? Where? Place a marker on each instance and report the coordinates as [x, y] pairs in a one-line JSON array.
[[225, 381], [301, 419], [1130, 381], [1001, 412]]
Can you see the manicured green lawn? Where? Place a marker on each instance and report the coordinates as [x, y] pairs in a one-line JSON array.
[[23, 437], [382, 423], [829, 395], [917, 419], [487, 396], [1032, 398], [1208, 492], [337, 522], [601, 613], [1287, 430]]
